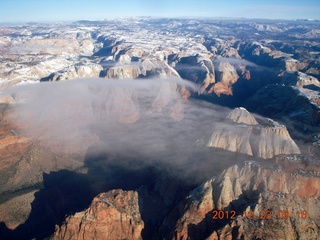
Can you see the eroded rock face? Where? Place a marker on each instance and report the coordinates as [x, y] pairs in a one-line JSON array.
[[90, 70], [241, 115], [111, 215], [273, 140], [140, 69], [232, 138], [250, 187], [196, 68], [199, 202], [121, 72], [293, 65], [227, 75], [245, 135]]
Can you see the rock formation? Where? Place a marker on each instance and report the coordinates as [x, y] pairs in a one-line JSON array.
[[226, 76], [250, 187], [121, 72], [197, 68], [241, 115], [246, 136], [232, 138], [293, 65], [243, 193], [111, 215], [273, 140]]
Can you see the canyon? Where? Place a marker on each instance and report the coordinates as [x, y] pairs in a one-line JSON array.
[[146, 128]]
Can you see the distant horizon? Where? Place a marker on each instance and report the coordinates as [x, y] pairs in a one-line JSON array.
[[159, 17], [23, 11]]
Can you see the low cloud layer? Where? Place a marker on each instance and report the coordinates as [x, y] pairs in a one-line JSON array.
[[235, 61], [149, 121], [63, 109], [132, 124]]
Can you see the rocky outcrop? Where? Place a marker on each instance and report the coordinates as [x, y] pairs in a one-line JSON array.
[[122, 72], [269, 141], [226, 75], [74, 72], [220, 88], [111, 215], [232, 138], [251, 187], [222, 47], [16, 210], [240, 190], [293, 65], [195, 68], [157, 68], [88, 71], [241, 115], [246, 136], [145, 69]]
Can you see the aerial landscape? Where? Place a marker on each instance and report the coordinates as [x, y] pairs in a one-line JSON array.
[[160, 120]]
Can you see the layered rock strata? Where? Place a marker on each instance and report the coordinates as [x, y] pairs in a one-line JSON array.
[[245, 135], [111, 215], [255, 189]]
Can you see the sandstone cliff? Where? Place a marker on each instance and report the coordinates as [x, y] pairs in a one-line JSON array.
[[293, 65], [244, 188], [232, 138], [121, 72], [111, 215], [241, 115], [226, 75], [245, 135], [250, 187], [273, 140], [196, 68]]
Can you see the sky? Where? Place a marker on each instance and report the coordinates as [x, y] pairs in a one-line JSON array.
[[71, 10]]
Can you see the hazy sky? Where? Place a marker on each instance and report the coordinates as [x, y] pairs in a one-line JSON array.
[[65, 10]]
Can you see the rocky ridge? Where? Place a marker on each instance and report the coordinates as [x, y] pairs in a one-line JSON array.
[[245, 188], [262, 191]]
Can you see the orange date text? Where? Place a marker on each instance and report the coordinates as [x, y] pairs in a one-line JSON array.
[[220, 214], [268, 214]]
